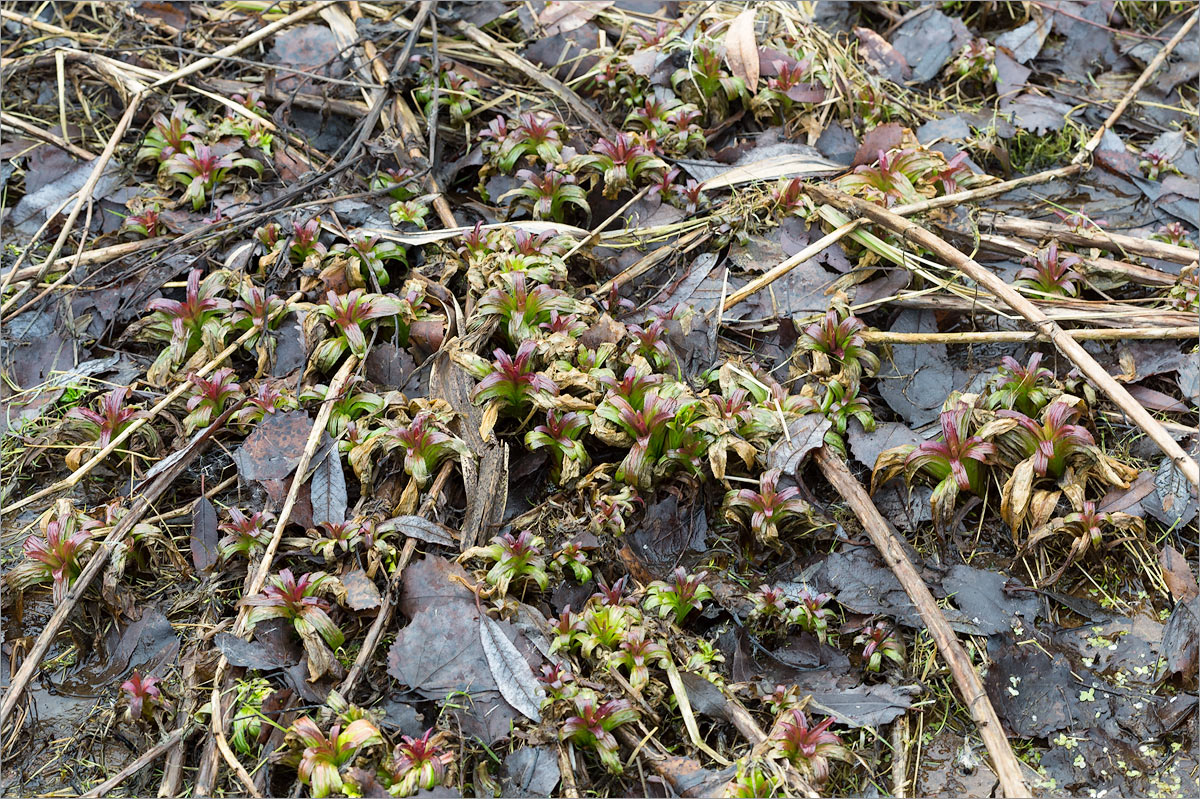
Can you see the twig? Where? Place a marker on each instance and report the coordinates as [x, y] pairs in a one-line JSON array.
[[596, 231], [147, 496], [45, 135], [1100, 239], [84, 197], [767, 278], [1065, 344], [1133, 90], [983, 192], [46, 27], [899, 757], [540, 77], [100, 255], [145, 759], [994, 336], [965, 677], [73, 479]]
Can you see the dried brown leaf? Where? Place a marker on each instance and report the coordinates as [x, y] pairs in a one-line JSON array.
[[741, 49]]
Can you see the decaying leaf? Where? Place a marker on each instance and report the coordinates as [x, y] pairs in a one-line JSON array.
[[513, 676], [741, 48]]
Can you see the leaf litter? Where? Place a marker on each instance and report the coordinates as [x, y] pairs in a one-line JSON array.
[[561, 528]]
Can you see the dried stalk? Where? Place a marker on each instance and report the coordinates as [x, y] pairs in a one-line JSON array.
[[767, 278], [46, 136], [1007, 767], [145, 759], [1065, 344], [1100, 239], [983, 192], [1150, 69], [995, 336]]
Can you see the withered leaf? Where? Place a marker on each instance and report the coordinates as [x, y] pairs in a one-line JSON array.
[[203, 539], [741, 48], [361, 592], [804, 434], [272, 451], [425, 530], [513, 676], [328, 490]]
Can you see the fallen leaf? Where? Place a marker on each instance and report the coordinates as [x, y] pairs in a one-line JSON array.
[[203, 539], [530, 771], [879, 138], [255, 654], [305, 48], [425, 530], [328, 490], [804, 434], [741, 48], [1174, 500], [1025, 42], [1179, 641], [881, 56], [1038, 114], [272, 451], [510, 670], [567, 15], [361, 591], [1177, 573], [928, 41]]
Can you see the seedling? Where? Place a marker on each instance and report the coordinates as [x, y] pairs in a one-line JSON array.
[[351, 314], [603, 627], [593, 725], [419, 764], [209, 397], [365, 258], [768, 508], [807, 748], [547, 195], [296, 600], [245, 535], [648, 429], [199, 321], [879, 642], [409, 212], [110, 418], [572, 557], [306, 243], [1155, 163], [332, 539], [1051, 273], [171, 135], [620, 163], [55, 555], [143, 696], [247, 723], [510, 381], [516, 559], [400, 184], [841, 341], [323, 755], [560, 435], [1051, 443], [269, 398], [976, 61], [519, 310], [558, 681], [650, 343], [426, 445], [202, 171], [897, 176], [259, 311], [1026, 389], [147, 224], [536, 134], [811, 615], [770, 606], [704, 83], [1174, 233], [636, 655], [455, 93], [685, 594]]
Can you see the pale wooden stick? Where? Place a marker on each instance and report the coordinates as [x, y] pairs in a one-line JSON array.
[[1133, 90], [983, 192], [73, 479], [45, 135], [100, 255], [1100, 239], [46, 27], [1065, 344], [767, 278], [1007, 767], [993, 336]]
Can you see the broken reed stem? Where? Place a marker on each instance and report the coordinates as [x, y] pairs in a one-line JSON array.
[[73, 479], [762, 281], [146, 497], [1007, 767], [100, 255], [589, 238], [995, 336], [651, 260], [1149, 71], [1100, 239], [1007, 294], [145, 759], [45, 135], [983, 192]]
